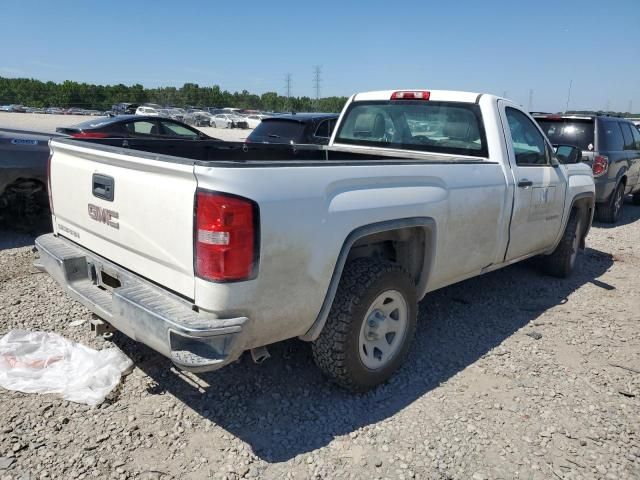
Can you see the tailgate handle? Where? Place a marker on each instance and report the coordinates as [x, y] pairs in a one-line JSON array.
[[103, 186]]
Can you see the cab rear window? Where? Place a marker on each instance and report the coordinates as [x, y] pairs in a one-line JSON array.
[[439, 127]]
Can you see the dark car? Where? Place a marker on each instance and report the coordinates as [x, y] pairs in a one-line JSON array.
[[611, 146], [23, 178], [302, 128], [134, 126]]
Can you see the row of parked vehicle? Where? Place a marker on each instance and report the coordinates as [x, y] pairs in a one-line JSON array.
[[206, 117], [51, 110]]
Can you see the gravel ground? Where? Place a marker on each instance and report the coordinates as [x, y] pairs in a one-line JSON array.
[[513, 375], [37, 122]]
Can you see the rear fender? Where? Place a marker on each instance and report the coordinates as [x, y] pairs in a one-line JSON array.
[[429, 226]]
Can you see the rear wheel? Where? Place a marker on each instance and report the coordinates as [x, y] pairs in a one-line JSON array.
[[610, 212], [370, 327], [562, 261]]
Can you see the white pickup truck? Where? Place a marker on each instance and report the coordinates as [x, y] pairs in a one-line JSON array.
[[223, 248]]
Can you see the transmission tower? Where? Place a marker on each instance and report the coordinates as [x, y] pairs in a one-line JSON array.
[[287, 85], [287, 89], [317, 80]]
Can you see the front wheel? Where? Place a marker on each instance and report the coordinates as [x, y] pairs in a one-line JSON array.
[[562, 260], [370, 327]]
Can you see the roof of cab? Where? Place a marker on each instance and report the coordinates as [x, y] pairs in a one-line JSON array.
[[434, 95]]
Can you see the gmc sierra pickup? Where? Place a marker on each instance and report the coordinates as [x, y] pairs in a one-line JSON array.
[[221, 248]]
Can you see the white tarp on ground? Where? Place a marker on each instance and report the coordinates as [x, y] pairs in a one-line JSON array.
[[43, 362]]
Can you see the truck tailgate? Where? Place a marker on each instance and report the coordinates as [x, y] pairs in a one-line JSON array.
[[147, 227]]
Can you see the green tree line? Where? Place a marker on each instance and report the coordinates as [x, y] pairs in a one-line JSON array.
[[35, 93]]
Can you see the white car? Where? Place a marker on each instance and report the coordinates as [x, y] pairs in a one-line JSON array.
[[216, 250], [222, 120], [254, 120], [148, 111]]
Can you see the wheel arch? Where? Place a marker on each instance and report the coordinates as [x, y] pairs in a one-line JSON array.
[[414, 233], [585, 204]]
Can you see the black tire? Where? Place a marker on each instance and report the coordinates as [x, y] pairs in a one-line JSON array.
[[336, 350], [610, 212], [636, 198], [561, 262]]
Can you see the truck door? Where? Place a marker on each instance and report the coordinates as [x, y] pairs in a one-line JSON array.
[[540, 182]]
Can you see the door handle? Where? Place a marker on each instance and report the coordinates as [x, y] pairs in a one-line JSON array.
[[524, 183]]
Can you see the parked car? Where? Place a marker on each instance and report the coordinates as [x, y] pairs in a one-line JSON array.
[[74, 111], [215, 111], [314, 128], [23, 177], [177, 113], [133, 126], [254, 120], [611, 146], [124, 108], [54, 111], [147, 111], [198, 118], [229, 120], [17, 108], [232, 247]]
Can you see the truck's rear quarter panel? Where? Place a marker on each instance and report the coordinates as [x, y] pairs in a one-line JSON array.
[[306, 214]]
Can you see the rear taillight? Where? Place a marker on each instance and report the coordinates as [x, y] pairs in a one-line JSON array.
[[600, 165], [411, 95], [225, 237], [89, 135]]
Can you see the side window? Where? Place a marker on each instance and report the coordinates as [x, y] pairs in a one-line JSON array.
[[323, 129], [142, 127], [528, 143], [636, 137], [611, 138], [177, 130], [629, 143]]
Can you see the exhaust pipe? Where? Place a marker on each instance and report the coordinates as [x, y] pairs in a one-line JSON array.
[[259, 354]]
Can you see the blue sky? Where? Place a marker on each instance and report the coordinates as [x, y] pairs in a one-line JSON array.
[[492, 46]]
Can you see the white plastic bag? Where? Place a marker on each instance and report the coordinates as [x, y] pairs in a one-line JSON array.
[[42, 362]]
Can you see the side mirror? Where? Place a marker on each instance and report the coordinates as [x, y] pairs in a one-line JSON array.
[[568, 154]]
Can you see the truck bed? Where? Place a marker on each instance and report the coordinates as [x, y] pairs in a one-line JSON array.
[[209, 152]]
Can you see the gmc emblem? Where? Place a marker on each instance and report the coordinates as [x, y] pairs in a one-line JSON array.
[[104, 215]]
